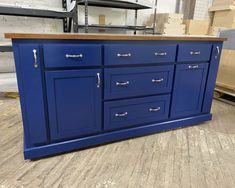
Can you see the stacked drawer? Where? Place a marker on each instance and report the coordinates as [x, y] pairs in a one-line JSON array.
[[139, 95]]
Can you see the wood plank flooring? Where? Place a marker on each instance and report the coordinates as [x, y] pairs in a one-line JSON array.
[[198, 156]]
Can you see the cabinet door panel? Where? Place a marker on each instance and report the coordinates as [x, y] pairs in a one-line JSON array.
[[190, 80], [30, 84], [74, 103]]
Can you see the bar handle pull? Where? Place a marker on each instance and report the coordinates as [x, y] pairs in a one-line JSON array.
[[35, 64]]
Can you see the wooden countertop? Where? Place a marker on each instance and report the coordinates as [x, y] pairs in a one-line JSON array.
[[110, 37]]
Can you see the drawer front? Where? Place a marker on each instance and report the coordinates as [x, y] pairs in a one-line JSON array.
[[115, 54], [130, 82], [194, 52], [72, 55], [134, 112]]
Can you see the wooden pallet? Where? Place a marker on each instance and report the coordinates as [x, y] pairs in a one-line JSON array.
[[14, 95], [225, 95]]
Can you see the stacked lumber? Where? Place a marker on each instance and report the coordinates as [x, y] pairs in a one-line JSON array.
[[214, 31], [167, 23], [223, 12], [222, 4], [196, 27]]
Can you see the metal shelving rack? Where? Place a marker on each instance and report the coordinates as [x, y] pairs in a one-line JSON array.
[[115, 4], [5, 47], [67, 16], [41, 13]]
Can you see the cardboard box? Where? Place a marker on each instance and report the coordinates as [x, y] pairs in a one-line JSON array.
[[101, 19], [224, 18], [196, 27]]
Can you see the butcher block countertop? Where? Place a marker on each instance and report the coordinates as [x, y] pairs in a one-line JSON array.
[[111, 37]]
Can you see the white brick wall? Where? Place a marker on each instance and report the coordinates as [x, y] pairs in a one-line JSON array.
[[26, 24], [201, 9]]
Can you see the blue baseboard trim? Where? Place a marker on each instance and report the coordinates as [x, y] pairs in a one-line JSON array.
[[75, 144]]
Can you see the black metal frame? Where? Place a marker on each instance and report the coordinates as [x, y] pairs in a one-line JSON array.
[[6, 48], [71, 18], [115, 4], [40, 13]]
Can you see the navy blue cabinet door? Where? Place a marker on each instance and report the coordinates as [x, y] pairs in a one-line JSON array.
[[29, 76], [74, 102], [189, 89]]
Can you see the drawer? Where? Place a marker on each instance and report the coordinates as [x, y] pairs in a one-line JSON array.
[[116, 54], [130, 82], [72, 55], [194, 52], [132, 112]]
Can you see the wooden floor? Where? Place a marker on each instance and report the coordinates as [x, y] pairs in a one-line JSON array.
[[199, 156]]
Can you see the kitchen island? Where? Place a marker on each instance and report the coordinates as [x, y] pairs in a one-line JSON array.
[[82, 90]]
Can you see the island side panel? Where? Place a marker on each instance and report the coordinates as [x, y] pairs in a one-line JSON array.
[[29, 77], [212, 75]]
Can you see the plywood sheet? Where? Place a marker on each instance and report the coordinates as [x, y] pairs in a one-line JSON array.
[[226, 74]]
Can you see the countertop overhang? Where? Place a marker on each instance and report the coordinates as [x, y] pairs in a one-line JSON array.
[[119, 37]]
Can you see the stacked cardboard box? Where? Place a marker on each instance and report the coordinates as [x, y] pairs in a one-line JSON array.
[[167, 23], [223, 12], [196, 27], [222, 4]]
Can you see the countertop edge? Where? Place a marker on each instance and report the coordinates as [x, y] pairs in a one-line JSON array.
[[110, 37]]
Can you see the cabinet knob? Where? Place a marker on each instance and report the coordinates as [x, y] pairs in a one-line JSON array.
[[121, 114], [124, 55], [157, 80], [154, 109], [35, 58], [122, 83]]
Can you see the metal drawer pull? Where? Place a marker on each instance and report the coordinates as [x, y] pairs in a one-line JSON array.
[[154, 109], [195, 53], [98, 80], [121, 114], [193, 66], [218, 50], [124, 55], [160, 54], [157, 80], [74, 55], [122, 83], [35, 58]]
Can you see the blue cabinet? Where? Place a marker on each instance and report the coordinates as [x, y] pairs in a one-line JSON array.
[[74, 99], [77, 94], [189, 87]]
